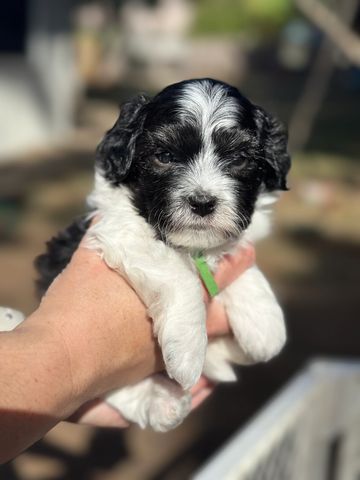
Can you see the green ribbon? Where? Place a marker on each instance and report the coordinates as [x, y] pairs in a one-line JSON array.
[[206, 276]]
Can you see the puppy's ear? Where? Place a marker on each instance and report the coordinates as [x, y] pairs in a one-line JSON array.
[[115, 152], [277, 160]]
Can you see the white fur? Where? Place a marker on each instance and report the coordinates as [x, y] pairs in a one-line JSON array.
[[208, 106], [127, 243], [157, 402], [257, 322], [166, 281], [220, 354], [203, 176]]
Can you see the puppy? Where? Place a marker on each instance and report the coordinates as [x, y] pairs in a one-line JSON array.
[[193, 170]]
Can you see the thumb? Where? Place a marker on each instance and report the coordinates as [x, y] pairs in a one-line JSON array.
[[232, 266]]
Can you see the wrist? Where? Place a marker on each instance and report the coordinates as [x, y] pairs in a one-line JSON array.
[[56, 362], [36, 386], [99, 355], [43, 373]]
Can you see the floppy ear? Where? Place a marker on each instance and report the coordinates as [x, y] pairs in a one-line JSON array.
[[277, 160], [115, 152]]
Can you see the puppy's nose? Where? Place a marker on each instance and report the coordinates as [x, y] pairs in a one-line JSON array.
[[202, 204]]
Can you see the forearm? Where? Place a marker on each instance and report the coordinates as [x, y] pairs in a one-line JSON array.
[[36, 389], [43, 383], [74, 348]]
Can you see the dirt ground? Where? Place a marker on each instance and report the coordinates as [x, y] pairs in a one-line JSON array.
[[311, 259]]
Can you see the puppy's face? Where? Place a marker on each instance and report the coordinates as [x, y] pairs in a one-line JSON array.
[[195, 157]]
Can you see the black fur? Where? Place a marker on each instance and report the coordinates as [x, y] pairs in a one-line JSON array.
[[254, 154], [146, 127], [116, 151], [59, 251], [141, 114], [275, 138]]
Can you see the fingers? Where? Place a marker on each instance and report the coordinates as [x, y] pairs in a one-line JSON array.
[[229, 269], [201, 396], [99, 414], [217, 322], [232, 266], [199, 392], [201, 384]]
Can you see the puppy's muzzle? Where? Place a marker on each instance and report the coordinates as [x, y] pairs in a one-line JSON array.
[[202, 204]]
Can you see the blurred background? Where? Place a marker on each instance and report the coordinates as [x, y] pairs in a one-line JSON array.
[[65, 67]]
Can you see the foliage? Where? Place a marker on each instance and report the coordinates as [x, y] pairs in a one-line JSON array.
[[234, 16]]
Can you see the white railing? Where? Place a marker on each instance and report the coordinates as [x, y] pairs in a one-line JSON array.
[[310, 431]]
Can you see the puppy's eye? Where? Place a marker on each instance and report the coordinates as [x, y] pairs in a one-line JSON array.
[[238, 158], [164, 158], [238, 162]]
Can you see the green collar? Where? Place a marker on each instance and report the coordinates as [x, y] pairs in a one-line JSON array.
[[206, 276]]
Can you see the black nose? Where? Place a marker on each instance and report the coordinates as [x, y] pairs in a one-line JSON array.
[[202, 204]]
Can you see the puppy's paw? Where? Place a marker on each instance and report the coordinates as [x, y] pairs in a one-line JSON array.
[[263, 348], [255, 316], [262, 336], [184, 354], [184, 363], [169, 406]]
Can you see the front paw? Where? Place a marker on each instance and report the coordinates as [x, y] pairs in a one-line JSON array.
[[184, 354], [260, 335], [263, 348]]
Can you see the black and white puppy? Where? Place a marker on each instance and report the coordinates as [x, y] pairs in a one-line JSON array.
[[194, 169]]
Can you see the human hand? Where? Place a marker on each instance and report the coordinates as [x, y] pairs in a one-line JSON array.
[[99, 413]]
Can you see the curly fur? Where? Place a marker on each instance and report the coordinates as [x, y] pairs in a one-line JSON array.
[[197, 167]]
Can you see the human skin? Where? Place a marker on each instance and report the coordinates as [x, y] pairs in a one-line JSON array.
[[90, 335]]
